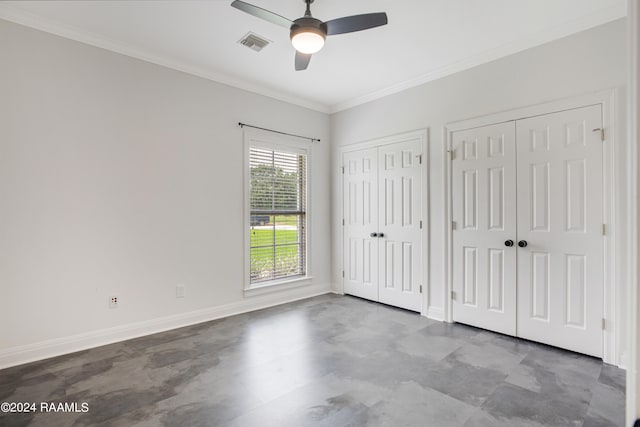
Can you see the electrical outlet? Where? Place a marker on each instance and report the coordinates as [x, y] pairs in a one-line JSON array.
[[180, 291], [113, 302]]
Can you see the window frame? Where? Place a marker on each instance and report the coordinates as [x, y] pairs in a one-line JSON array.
[[272, 141]]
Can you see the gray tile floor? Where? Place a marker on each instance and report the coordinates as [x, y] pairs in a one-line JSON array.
[[324, 361]]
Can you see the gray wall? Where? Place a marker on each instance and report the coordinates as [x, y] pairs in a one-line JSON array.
[[582, 63], [119, 177]]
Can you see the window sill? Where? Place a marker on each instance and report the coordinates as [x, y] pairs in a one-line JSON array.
[[277, 286]]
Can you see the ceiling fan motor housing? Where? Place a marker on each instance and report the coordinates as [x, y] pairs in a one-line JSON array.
[[308, 25]]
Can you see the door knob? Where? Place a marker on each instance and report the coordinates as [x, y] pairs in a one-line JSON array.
[[373, 234], [522, 243], [380, 234], [508, 243]]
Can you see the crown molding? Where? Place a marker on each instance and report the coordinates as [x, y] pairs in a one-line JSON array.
[[19, 16], [593, 20]]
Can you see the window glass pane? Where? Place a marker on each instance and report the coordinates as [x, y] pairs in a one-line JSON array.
[[261, 187], [287, 261], [263, 234], [287, 230], [278, 218], [262, 266], [260, 220]]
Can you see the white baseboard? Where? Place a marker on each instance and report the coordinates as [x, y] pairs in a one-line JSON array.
[[59, 346], [335, 290], [623, 360], [435, 313]]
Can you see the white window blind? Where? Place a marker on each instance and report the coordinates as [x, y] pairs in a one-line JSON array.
[[278, 202]]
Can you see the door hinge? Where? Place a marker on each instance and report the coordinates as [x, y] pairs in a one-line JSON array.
[[420, 224], [342, 221], [604, 324], [452, 154], [420, 288], [453, 225], [342, 273], [601, 130], [453, 295], [342, 170], [419, 156], [604, 230]]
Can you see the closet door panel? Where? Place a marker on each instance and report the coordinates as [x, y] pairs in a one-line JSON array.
[[560, 216], [400, 213], [360, 204], [484, 213]]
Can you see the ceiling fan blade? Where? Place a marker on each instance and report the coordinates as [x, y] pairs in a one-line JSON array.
[[349, 24], [302, 61], [261, 13]]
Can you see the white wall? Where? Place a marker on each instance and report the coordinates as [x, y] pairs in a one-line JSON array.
[[119, 177], [583, 63], [633, 373]]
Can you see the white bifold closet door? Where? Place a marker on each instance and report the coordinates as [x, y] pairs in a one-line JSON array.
[[484, 205], [560, 216], [536, 183], [382, 224], [360, 203]]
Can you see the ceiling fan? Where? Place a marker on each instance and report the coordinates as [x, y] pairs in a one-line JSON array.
[[308, 33]]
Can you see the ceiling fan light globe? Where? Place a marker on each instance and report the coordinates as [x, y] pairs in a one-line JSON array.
[[307, 41]]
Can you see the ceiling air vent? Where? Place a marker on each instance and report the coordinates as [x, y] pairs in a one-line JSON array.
[[254, 41]]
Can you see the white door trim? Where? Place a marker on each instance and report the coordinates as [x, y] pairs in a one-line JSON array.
[[423, 135], [633, 380], [613, 275]]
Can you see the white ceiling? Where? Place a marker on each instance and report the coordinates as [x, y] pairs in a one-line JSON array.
[[424, 40]]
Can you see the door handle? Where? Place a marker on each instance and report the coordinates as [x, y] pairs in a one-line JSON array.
[[373, 234], [380, 234], [522, 243], [508, 243]]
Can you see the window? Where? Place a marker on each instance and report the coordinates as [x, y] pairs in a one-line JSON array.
[[277, 217]]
